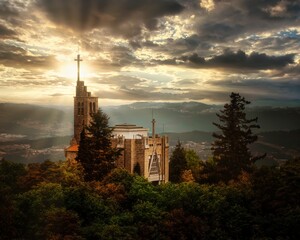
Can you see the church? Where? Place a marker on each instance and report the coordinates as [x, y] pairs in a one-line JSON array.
[[149, 152]]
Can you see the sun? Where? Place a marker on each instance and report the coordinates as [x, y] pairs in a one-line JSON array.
[[69, 70]]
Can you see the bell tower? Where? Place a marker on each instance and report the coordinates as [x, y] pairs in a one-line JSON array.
[[84, 104]]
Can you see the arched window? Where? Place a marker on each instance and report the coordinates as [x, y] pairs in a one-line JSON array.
[[94, 107]]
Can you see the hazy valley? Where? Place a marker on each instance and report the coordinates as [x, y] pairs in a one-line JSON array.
[[31, 133]]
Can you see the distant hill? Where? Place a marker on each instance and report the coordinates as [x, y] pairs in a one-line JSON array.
[[37, 122], [191, 116], [34, 133], [170, 117], [34, 121], [194, 136], [278, 145]]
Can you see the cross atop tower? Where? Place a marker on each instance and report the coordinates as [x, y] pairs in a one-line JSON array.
[[78, 60]]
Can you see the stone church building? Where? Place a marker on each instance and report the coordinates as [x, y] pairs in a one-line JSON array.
[[150, 152]]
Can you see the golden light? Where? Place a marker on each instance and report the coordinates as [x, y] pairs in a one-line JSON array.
[[69, 71]]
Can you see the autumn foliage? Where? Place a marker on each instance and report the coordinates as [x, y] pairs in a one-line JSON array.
[[52, 201]]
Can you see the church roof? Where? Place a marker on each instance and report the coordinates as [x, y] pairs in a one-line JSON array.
[[73, 148], [127, 126]]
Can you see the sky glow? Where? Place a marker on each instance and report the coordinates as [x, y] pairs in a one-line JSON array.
[[150, 50]]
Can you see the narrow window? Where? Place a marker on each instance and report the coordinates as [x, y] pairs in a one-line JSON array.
[[78, 108], [91, 107]]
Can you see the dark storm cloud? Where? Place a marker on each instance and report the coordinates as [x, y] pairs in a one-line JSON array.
[[12, 12], [8, 9], [272, 9], [282, 89], [113, 58], [234, 60], [172, 47], [175, 47], [219, 32], [122, 56], [194, 59], [17, 57], [290, 72], [125, 17], [229, 19], [6, 32], [253, 61]]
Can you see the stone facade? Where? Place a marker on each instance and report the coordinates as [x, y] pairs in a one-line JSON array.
[[151, 153], [84, 106]]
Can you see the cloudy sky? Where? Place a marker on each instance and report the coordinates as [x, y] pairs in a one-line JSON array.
[[150, 50]]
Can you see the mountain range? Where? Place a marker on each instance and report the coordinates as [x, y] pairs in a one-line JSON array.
[[35, 133], [191, 116], [36, 121]]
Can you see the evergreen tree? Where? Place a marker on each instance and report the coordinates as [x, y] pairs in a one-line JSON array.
[[230, 149], [178, 163], [84, 156], [95, 152]]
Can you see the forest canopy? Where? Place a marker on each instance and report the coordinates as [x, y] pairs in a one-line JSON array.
[[52, 201]]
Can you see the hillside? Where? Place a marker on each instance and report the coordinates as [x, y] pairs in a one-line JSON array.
[[34, 121], [35, 133], [278, 145], [190, 116]]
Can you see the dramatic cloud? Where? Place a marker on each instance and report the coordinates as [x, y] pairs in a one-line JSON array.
[[264, 88], [234, 60], [6, 32], [142, 50], [12, 56], [10, 9], [253, 61], [126, 17], [230, 19]]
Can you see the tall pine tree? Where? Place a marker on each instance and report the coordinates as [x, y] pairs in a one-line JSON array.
[[178, 163], [230, 149], [95, 152]]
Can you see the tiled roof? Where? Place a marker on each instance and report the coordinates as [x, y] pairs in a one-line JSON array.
[[73, 148]]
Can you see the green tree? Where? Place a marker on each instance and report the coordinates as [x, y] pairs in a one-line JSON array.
[[276, 201], [10, 175], [59, 223], [193, 163], [42, 172], [192, 159], [147, 217], [230, 149], [95, 153], [32, 207], [84, 155], [178, 163]]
